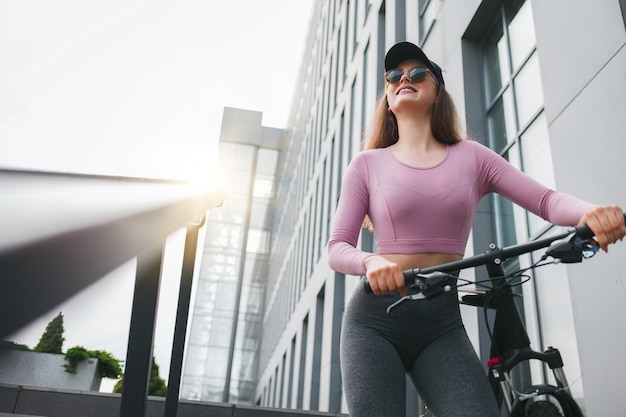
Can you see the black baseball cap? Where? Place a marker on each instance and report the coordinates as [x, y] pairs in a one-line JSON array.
[[406, 50]]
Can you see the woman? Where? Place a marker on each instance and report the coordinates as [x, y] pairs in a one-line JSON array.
[[419, 182]]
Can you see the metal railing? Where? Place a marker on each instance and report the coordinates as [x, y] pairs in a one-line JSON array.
[[60, 233]]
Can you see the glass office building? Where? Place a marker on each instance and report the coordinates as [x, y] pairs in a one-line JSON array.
[[528, 83], [220, 363]]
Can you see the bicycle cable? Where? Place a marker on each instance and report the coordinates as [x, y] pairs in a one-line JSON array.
[[500, 282]]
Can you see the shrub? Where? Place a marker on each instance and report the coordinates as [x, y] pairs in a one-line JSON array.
[[108, 366]]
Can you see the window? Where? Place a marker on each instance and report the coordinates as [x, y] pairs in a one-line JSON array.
[[516, 128], [428, 10]]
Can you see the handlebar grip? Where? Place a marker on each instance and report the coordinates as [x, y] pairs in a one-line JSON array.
[[584, 232], [409, 279]]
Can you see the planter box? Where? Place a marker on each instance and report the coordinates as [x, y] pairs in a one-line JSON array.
[[46, 370]]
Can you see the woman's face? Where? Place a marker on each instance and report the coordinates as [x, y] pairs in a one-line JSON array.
[[407, 94]]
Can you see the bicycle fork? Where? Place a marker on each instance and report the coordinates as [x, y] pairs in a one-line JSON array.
[[499, 372], [511, 340]]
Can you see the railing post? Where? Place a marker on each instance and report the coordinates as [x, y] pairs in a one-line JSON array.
[[141, 334], [182, 314]]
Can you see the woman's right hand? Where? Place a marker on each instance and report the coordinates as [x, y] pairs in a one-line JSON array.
[[384, 276]]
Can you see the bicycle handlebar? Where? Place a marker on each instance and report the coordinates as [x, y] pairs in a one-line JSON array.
[[567, 251]]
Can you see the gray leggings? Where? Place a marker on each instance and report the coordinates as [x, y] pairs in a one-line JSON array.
[[425, 339]]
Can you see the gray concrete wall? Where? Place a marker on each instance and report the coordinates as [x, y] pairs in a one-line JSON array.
[[32, 401], [46, 370]]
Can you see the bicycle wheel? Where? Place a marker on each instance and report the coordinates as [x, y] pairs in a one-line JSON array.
[[542, 408], [547, 401]]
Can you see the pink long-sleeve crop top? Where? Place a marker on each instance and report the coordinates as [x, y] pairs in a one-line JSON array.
[[431, 210]]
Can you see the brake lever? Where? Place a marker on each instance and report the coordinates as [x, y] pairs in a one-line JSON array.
[[429, 285], [590, 249], [412, 297], [573, 250]]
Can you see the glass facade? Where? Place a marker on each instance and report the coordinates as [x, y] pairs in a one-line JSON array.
[[228, 307], [517, 129]]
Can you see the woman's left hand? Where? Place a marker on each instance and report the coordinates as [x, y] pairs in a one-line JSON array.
[[607, 224]]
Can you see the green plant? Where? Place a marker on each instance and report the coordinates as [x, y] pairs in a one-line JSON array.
[[9, 345], [156, 387], [73, 357], [51, 340], [108, 365]]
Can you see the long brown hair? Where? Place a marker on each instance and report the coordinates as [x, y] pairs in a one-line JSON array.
[[444, 122]]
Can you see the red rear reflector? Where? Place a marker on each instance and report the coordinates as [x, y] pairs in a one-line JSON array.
[[493, 361]]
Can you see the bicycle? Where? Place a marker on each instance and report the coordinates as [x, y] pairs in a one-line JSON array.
[[510, 343]]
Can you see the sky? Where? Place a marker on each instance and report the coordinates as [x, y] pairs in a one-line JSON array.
[[137, 88]]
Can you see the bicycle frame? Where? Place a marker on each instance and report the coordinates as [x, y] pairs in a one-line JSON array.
[[510, 341]]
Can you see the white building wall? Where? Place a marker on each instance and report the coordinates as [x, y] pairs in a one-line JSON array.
[[582, 51], [583, 67]]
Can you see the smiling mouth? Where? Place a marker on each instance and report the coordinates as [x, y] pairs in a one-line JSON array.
[[405, 90]]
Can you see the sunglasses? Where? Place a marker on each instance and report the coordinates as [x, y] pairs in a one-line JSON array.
[[416, 75]]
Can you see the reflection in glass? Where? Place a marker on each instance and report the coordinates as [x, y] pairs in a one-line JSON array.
[[237, 182], [495, 63], [505, 221], [221, 364], [522, 35], [266, 162], [501, 121], [258, 241], [528, 91], [258, 217], [263, 187], [537, 161]]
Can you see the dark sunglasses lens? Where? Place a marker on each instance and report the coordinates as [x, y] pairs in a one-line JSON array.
[[394, 76], [417, 74]]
